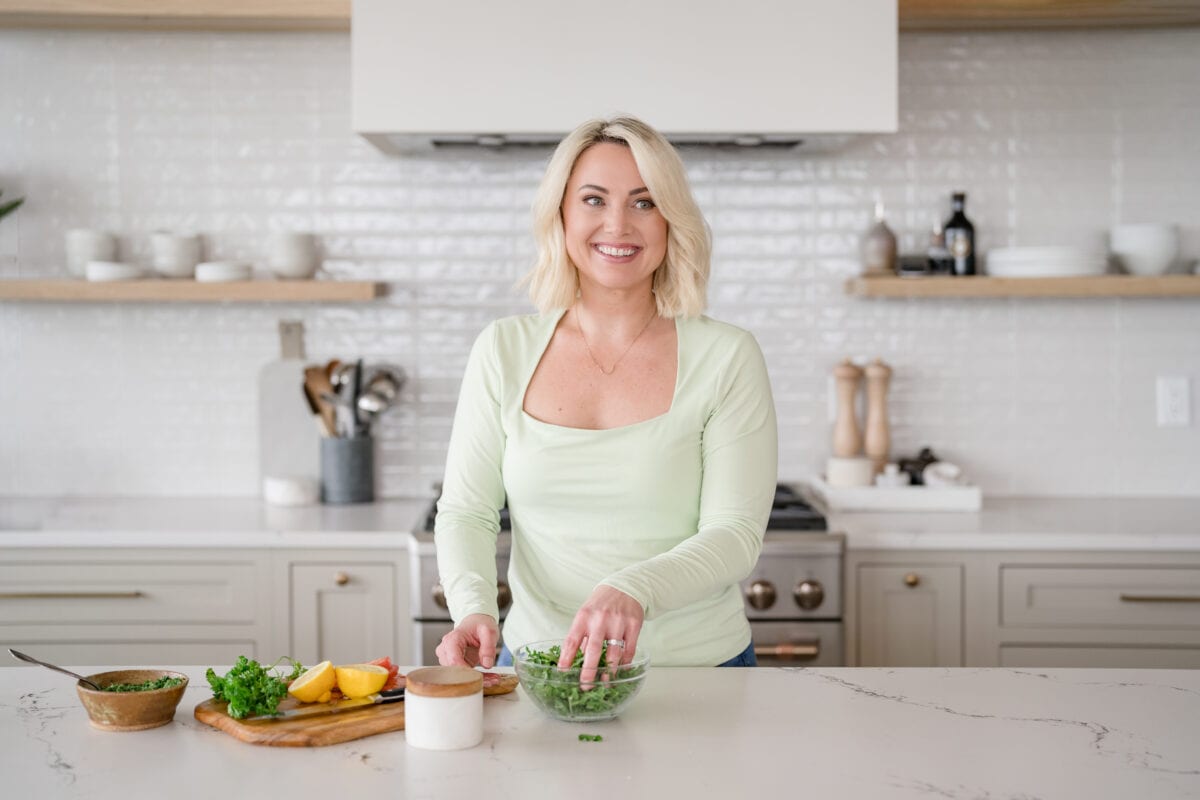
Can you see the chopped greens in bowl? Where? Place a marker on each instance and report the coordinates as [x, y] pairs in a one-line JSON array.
[[558, 692]]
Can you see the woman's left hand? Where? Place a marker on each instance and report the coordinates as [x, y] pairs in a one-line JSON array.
[[609, 618]]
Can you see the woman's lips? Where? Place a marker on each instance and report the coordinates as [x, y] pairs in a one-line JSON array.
[[617, 253]]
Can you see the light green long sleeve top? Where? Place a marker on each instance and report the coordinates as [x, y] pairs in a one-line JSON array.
[[670, 510]]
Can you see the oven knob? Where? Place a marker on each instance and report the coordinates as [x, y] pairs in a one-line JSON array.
[[761, 595], [439, 596], [503, 595], [809, 594]]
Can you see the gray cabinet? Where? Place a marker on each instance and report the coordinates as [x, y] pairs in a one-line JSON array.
[[1023, 609], [1094, 609], [161, 606], [135, 607], [342, 611], [910, 615]]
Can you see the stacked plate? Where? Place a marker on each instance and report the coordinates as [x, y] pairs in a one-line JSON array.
[[1045, 262]]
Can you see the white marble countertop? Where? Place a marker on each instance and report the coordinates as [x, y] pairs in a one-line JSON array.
[[719, 733], [1005, 523], [1031, 523], [204, 522]]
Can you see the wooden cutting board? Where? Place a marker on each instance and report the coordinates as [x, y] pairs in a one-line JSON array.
[[315, 731], [318, 731]]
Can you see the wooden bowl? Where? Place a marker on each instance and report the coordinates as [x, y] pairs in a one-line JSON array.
[[131, 711]]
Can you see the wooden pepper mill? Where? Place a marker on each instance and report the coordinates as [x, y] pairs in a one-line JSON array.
[[878, 435], [847, 438]]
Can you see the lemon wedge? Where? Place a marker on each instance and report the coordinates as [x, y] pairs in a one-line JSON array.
[[314, 683], [360, 680]]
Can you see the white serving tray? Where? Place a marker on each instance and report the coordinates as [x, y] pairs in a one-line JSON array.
[[899, 498]]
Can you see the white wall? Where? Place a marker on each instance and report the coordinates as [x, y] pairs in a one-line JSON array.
[[1055, 136]]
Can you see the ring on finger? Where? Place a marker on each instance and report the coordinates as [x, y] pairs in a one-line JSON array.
[[614, 643]]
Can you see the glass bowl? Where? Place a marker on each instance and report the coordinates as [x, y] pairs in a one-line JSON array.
[[558, 693]]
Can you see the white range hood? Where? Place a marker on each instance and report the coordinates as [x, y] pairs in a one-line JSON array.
[[746, 72]]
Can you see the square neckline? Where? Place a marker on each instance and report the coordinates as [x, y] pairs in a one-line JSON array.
[[545, 345]]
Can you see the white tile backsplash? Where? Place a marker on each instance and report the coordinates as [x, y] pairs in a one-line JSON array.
[[1054, 135]]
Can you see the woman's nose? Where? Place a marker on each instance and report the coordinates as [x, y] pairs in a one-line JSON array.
[[616, 219]]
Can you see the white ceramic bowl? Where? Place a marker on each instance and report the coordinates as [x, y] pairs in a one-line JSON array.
[[1145, 249], [293, 255], [102, 271], [222, 271], [1044, 262], [175, 255]]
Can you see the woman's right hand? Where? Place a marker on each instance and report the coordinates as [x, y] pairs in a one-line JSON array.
[[472, 643]]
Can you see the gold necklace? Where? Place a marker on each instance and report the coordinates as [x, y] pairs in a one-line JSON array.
[[600, 366]]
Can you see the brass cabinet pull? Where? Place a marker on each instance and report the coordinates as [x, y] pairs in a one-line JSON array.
[[68, 595], [806, 650], [1159, 598], [912, 579], [341, 578]]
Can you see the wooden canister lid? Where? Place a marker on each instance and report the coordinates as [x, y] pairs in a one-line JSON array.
[[443, 682]]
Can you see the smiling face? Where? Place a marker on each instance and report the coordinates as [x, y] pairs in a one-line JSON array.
[[615, 234]]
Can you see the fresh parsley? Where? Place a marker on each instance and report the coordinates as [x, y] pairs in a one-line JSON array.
[[561, 693], [590, 737], [250, 688]]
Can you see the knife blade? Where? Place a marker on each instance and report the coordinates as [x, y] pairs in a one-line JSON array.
[[319, 709]]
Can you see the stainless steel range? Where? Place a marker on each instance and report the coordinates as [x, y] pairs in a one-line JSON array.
[[793, 597]]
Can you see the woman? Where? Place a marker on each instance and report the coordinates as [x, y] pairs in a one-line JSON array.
[[633, 438]]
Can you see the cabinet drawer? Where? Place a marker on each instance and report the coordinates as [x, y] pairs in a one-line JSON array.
[[135, 653], [142, 592], [1104, 596], [1134, 657]]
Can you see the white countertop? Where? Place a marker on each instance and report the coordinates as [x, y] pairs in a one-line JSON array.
[[204, 522], [1031, 523], [707, 733], [1006, 523]]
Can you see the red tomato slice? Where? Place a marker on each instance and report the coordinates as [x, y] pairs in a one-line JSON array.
[[394, 680]]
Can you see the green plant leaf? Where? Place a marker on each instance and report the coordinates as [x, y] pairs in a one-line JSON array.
[[8, 208]]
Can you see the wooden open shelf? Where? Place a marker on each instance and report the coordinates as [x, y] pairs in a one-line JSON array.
[[187, 291], [335, 14], [982, 286], [247, 15]]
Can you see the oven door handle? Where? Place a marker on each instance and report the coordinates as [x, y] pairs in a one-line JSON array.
[[798, 651]]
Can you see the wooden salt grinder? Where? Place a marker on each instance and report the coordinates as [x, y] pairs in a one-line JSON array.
[[847, 438], [878, 436]]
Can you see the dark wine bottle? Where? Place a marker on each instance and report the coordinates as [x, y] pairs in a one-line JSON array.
[[959, 236]]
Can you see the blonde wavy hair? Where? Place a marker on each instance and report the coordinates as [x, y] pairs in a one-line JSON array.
[[681, 282]]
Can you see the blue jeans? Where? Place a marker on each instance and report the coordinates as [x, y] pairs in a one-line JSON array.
[[743, 659]]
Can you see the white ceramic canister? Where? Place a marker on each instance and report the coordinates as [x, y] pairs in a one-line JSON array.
[[175, 255], [849, 472], [292, 254], [443, 708], [84, 245]]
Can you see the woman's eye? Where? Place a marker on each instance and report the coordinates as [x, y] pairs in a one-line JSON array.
[[593, 200], [643, 204]]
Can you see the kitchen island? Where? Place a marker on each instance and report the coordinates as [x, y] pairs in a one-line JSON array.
[[722, 733]]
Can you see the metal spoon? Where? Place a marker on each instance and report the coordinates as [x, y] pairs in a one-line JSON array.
[[33, 660]]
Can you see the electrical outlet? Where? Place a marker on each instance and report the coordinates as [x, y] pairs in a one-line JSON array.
[[1174, 401]]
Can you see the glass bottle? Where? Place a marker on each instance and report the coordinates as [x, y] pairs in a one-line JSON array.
[[959, 234], [940, 260], [879, 246]]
